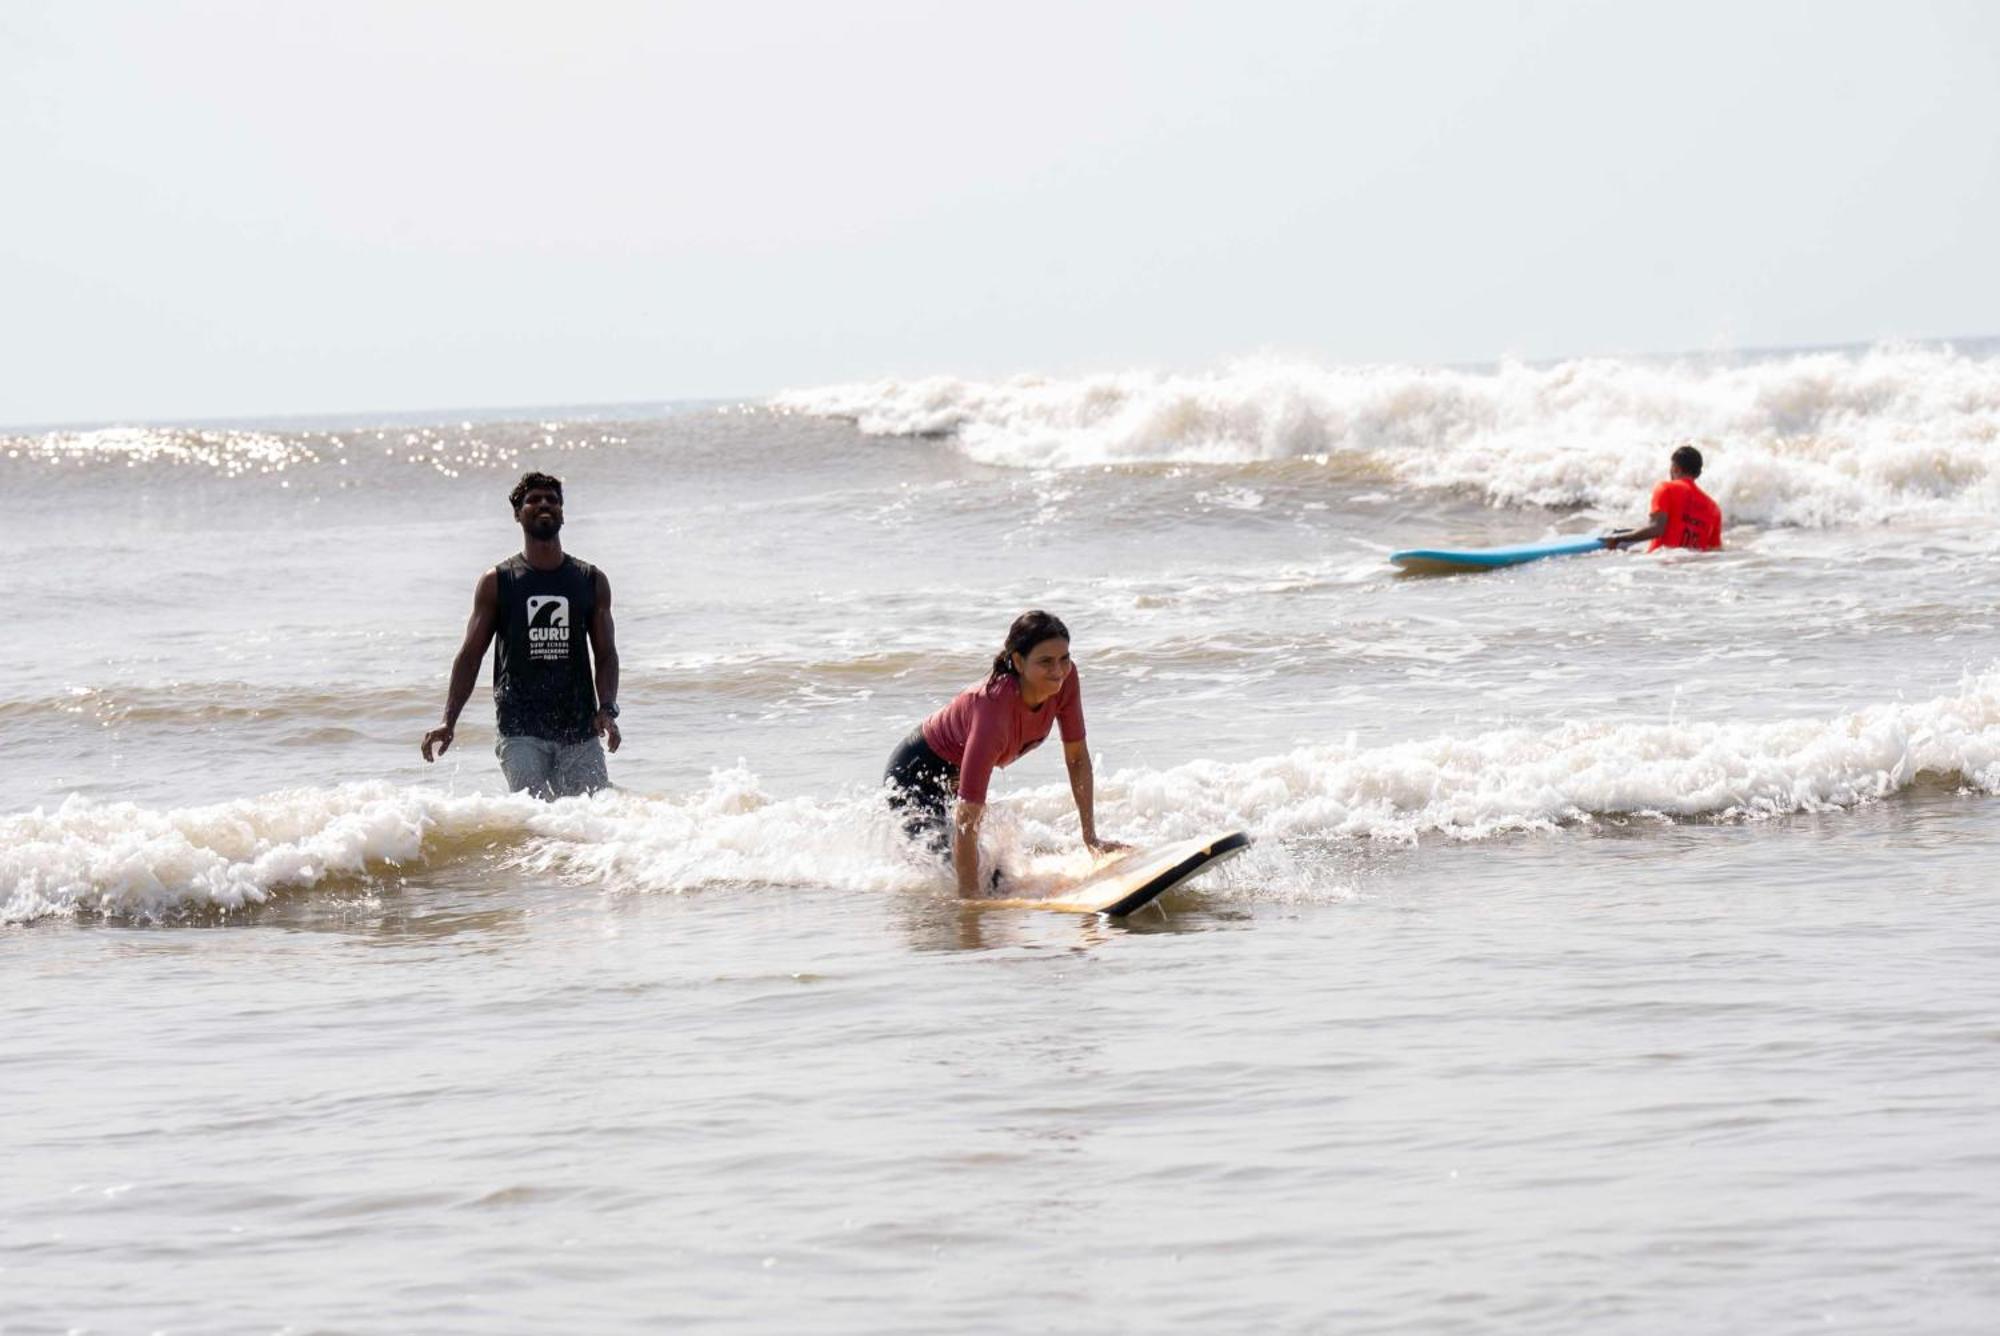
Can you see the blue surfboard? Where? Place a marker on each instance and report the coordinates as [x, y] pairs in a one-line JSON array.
[[1444, 560]]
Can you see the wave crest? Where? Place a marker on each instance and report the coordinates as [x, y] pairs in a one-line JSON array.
[[1528, 779], [1809, 439], [123, 860]]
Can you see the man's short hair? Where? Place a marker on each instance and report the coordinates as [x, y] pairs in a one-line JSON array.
[[531, 481], [1688, 460]]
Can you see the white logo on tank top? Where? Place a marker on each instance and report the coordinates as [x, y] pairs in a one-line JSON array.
[[548, 626]]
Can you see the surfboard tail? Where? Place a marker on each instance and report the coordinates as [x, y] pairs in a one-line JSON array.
[[1160, 884], [1136, 879]]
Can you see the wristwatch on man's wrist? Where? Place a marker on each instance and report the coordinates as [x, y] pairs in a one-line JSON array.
[[610, 708]]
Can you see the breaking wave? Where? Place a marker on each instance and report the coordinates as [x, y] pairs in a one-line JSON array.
[[1810, 439], [114, 859]]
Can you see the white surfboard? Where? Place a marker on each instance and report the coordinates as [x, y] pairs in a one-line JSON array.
[[1137, 878]]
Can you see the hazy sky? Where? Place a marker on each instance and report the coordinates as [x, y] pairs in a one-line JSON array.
[[219, 209]]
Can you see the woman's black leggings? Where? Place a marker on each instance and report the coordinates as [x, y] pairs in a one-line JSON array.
[[922, 785]]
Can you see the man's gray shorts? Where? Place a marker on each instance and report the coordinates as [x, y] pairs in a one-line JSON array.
[[552, 769]]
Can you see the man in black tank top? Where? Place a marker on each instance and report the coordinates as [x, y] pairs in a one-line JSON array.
[[541, 606]]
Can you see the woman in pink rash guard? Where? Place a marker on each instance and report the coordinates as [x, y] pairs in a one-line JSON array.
[[1031, 689]]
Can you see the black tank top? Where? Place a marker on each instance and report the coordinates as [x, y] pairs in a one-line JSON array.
[[542, 682]]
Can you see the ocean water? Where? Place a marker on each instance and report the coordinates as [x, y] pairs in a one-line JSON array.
[[1616, 953]]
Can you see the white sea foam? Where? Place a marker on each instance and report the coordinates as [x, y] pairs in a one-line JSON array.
[[122, 859], [1812, 439], [1526, 779]]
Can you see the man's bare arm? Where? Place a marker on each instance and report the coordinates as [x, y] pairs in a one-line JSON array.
[[479, 629], [1654, 528], [604, 654]]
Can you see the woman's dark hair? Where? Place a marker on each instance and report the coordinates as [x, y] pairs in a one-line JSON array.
[[529, 482], [1029, 630]]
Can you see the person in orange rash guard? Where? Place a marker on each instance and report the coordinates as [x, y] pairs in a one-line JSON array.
[[1683, 514]]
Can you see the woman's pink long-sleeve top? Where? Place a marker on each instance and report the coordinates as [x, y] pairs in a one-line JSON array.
[[987, 725]]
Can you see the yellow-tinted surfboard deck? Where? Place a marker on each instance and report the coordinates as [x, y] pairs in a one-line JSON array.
[[1137, 878]]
